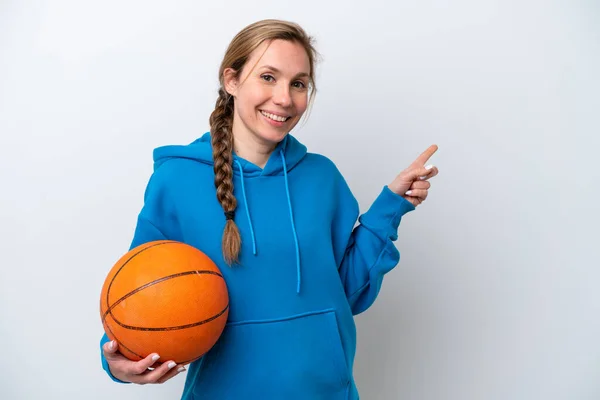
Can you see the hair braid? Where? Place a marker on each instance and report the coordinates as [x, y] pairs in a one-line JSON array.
[[221, 121]]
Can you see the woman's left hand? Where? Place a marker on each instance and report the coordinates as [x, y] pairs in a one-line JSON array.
[[412, 183]]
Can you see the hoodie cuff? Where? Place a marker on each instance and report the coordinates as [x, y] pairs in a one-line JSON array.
[[387, 211]]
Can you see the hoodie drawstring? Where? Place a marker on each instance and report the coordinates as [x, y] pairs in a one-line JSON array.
[[246, 205], [287, 191]]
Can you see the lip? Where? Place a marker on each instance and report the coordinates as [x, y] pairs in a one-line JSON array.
[[271, 122], [277, 113]]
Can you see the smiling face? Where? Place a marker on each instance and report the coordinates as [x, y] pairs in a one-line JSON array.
[[271, 93]]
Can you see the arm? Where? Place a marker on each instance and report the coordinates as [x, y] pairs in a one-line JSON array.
[[366, 253]]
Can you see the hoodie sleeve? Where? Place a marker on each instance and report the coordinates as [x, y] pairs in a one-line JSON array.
[[365, 253], [154, 222]]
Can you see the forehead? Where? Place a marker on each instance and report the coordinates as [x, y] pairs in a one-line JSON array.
[[288, 57]]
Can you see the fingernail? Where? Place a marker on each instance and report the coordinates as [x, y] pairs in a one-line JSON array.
[[180, 369], [422, 177], [112, 345], [155, 357], [408, 193], [429, 167], [171, 364]]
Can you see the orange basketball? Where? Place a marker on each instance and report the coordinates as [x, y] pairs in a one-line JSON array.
[[164, 297]]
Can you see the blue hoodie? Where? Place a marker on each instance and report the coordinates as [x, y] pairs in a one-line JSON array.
[[305, 268]]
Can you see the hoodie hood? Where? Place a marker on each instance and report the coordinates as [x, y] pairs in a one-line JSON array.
[[288, 153]]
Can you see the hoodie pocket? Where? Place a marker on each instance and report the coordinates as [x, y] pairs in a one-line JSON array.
[[298, 357]]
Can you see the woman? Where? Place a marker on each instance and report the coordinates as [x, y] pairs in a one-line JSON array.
[[296, 268]]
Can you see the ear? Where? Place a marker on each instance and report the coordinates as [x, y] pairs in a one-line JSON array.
[[230, 81]]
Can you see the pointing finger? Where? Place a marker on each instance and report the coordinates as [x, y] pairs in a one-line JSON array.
[[426, 155]]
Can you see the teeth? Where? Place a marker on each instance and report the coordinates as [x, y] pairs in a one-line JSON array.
[[274, 117]]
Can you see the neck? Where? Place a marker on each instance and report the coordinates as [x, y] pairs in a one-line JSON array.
[[251, 148]]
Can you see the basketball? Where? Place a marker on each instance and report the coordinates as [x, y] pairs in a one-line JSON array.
[[164, 297]]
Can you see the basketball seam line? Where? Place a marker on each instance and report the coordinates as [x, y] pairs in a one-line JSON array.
[[157, 281]]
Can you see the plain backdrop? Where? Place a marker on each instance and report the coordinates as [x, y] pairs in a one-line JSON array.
[[496, 294]]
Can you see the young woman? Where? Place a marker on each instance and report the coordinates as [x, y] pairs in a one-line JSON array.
[[280, 224]]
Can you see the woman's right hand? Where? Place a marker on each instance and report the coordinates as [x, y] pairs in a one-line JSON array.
[[138, 372]]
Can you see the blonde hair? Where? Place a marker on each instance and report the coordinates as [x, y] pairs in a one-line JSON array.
[[221, 119]]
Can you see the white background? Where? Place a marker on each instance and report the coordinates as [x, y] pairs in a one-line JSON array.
[[496, 295]]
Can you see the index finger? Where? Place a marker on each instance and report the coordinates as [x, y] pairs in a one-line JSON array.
[[426, 155]]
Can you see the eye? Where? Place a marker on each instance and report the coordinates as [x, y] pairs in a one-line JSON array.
[[299, 85], [267, 77]]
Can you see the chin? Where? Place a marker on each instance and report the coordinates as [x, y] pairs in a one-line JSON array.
[[272, 135]]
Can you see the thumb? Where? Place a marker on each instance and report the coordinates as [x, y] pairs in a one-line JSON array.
[[110, 349]]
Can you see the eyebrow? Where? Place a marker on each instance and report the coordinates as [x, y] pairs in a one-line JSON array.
[[300, 75]]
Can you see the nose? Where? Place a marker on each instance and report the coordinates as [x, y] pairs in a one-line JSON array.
[[281, 96]]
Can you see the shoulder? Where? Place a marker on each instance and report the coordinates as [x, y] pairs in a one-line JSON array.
[[174, 170], [323, 165], [177, 178], [330, 177]]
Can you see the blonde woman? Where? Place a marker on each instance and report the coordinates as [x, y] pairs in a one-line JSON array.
[[280, 224]]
